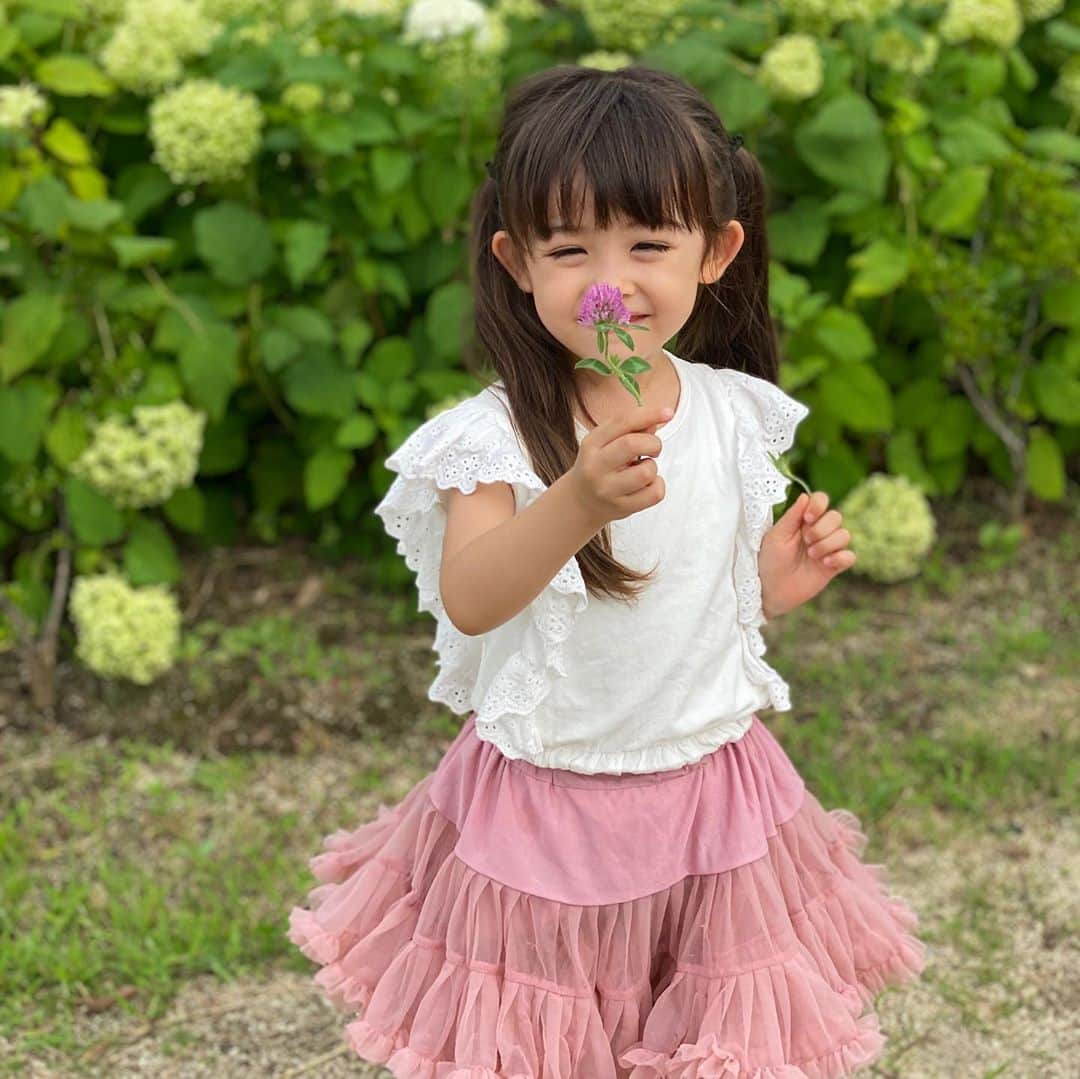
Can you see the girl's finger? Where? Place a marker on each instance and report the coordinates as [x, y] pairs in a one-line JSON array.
[[831, 543]]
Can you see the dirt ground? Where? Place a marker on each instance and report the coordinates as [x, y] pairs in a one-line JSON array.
[[999, 903]]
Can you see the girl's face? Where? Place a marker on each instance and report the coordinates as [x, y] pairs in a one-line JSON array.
[[658, 272]]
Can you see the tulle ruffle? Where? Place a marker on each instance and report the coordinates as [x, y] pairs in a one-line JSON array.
[[764, 970]]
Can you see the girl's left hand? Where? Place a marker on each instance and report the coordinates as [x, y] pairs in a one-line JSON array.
[[799, 557]]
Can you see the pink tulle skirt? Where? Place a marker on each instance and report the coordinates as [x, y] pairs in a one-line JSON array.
[[507, 920]]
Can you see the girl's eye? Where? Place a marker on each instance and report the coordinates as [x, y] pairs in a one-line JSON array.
[[575, 250]]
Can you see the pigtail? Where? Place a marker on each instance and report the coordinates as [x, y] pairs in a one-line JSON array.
[[730, 325]]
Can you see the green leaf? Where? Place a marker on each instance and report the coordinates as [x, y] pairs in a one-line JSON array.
[[225, 446], [319, 386], [24, 413], [1057, 393], [740, 99], [142, 187], [95, 216], [141, 250], [371, 124], [391, 360], [278, 348], [858, 397], [209, 364], [329, 132], [445, 318], [44, 206], [306, 243], [880, 268], [355, 337], [594, 364], [186, 510], [74, 76], [1045, 466], [843, 143], [391, 168], [949, 434], [903, 458], [445, 188], [1053, 144], [357, 432], [634, 365], [31, 321], [307, 323], [623, 336], [844, 335], [799, 233], [325, 476], [149, 555], [1061, 303], [967, 141], [65, 141], [953, 206], [235, 242], [94, 519], [67, 436]]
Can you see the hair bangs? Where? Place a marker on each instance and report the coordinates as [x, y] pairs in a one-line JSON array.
[[597, 158]]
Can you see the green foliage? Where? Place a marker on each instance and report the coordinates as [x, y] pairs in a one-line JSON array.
[[260, 210]]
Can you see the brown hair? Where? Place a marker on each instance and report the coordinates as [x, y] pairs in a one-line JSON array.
[[651, 149]]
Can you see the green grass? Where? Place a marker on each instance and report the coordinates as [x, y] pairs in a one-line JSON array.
[[126, 867]]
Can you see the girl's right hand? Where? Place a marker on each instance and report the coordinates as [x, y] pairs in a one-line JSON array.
[[607, 478]]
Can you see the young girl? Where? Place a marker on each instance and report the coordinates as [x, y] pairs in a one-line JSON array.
[[615, 870]]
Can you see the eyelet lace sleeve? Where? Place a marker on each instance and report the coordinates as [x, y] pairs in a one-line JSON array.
[[470, 443], [765, 422]]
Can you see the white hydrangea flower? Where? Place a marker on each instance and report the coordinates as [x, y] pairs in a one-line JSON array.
[[124, 632], [891, 526], [605, 60], [896, 51], [1067, 88], [435, 20], [792, 67], [1038, 10], [629, 25], [143, 462], [997, 22], [371, 9], [22, 107], [148, 47], [203, 131], [303, 96], [460, 39]]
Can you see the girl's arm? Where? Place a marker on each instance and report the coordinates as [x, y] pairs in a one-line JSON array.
[[496, 562]]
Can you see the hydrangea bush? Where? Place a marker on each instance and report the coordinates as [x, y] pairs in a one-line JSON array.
[[124, 632], [233, 247], [892, 527]]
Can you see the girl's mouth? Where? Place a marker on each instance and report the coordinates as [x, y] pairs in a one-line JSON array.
[[638, 318]]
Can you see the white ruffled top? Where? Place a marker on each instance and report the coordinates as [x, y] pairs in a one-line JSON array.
[[591, 684]]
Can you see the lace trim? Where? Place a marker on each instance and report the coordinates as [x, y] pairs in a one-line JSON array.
[[460, 447], [765, 422], [655, 757]]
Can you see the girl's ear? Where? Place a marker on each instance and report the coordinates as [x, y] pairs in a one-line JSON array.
[[726, 247], [503, 249]]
